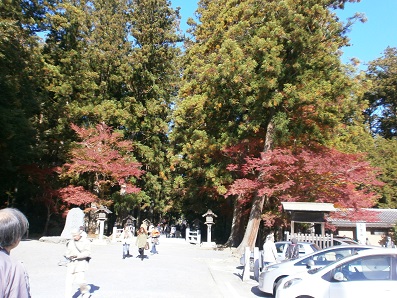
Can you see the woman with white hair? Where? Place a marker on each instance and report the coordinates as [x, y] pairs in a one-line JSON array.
[[14, 281], [269, 251]]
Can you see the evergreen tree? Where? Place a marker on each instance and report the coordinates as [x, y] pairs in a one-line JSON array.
[[153, 86], [268, 70], [20, 96], [382, 97], [381, 118], [115, 62], [383, 154]]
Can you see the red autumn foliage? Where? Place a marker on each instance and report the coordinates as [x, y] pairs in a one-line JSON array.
[[76, 195], [317, 175], [43, 178], [106, 157]]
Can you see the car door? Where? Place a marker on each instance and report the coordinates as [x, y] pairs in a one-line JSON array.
[[281, 248], [367, 276]]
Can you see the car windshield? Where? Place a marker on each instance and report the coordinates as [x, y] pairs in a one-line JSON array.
[[348, 241], [365, 268], [324, 258], [315, 247]]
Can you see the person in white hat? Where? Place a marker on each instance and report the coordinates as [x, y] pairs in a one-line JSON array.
[[269, 251], [78, 252]]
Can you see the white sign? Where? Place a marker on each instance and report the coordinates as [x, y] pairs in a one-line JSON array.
[[361, 232]]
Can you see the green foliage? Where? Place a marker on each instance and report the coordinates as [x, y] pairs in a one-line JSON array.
[[115, 62], [383, 155], [251, 64], [20, 85], [382, 97]]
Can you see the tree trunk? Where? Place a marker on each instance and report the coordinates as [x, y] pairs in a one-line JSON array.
[[234, 237], [254, 221], [47, 221], [253, 225]]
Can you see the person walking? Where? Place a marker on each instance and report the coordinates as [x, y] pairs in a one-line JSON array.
[[14, 281], [78, 252], [126, 238], [141, 242], [167, 231], [269, 251], [155, 235], [292, 250], [389, 243]]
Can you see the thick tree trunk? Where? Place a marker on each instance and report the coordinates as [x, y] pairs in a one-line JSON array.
[[254, 221]]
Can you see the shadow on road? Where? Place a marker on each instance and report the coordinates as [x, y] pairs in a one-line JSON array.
[[255, 290]]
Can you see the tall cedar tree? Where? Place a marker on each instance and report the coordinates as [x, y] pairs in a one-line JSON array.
[[381, 117], [86, 54], [153, 85], [382, 113], [20, 95], [115, 62], [383, 154], [269, 70]]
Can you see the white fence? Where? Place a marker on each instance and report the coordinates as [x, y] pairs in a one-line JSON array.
[[193, 236], [321, 241]]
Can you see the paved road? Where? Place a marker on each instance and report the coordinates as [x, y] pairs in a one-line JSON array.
[[179, 270]]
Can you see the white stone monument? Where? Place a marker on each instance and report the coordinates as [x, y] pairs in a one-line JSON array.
[[74, 220]]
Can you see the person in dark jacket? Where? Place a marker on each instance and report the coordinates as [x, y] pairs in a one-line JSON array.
[[292, 250]]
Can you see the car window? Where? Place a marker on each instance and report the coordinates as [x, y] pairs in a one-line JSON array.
[[302, 250], [365, 268], [344, 241], [280, 247], [323, 258]]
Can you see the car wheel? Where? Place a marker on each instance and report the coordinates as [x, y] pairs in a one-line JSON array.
[[277, 282]]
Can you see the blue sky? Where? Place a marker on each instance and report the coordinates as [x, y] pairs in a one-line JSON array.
[[368, 40]]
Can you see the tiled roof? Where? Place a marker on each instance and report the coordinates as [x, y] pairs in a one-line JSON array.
[[383, 218], [308, 206]]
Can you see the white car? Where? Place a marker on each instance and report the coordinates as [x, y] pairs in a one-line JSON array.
[[281, 247], [343, 240], [272, 274], [367, 273], [304, 248]]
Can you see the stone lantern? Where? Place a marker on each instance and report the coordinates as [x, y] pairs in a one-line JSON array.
[[102, 214], [130, 222], [209, 221]]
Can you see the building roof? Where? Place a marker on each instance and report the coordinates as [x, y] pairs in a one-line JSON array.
[[308, 206], [383, 218]]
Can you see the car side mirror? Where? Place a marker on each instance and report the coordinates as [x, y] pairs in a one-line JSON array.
[[310, 264], [339, 276]]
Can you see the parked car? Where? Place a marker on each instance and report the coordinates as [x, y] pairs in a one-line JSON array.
[[367, 273], [337, 240], [281, 246], [304, 248], [271, 275]]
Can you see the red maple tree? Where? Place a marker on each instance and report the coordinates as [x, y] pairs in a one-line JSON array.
[[317, 175], [103, 160]]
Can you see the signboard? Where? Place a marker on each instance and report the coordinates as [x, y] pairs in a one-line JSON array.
[[361, 229]]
